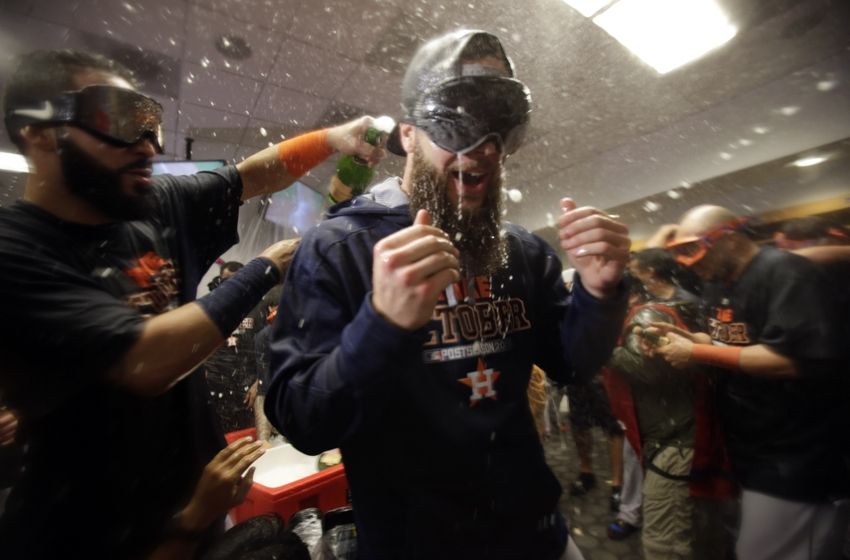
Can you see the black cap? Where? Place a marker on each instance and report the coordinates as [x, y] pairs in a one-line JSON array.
[[442, 60]]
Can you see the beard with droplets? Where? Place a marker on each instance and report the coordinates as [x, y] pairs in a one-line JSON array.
[[476, 233]]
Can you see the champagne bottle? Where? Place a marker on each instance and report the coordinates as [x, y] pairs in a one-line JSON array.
[[353, 174]]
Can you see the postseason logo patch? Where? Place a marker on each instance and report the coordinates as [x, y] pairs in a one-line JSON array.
[[477, 348]]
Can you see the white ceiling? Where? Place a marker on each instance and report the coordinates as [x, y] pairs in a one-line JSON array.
[[606, 128]]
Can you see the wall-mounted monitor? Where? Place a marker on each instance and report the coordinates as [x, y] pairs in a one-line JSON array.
[[296, 208]]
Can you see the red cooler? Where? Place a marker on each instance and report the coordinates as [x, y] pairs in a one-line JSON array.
[[286, 481]]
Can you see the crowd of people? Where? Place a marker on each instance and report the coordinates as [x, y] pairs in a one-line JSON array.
[[733, 397], [405, 333]]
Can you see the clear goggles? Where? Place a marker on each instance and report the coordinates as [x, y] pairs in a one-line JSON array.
[[469, 111], [120, 116]]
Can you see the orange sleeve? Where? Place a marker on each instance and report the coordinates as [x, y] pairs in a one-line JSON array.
[[302, 153], [728, 357]]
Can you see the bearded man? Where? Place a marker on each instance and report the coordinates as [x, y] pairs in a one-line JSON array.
[[415, 317], [102, 332]]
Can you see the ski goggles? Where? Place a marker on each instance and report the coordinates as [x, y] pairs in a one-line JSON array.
[[469, 111], [119, 116], [691, 250]]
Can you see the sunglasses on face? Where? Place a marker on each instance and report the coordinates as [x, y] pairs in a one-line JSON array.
[[121, 117], [466, 113]]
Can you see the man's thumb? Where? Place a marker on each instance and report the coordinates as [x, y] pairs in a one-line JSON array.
[[567, 204], [423, 218]]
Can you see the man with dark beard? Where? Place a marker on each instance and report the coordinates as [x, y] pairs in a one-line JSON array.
[[100, 332], [415, 315]]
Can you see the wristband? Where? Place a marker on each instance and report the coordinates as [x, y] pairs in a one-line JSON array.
[[234, 298], [302, 153], [728, 357]]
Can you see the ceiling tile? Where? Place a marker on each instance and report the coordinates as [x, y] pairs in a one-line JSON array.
[[787, 42], [155, 72], [258, 134], [348, 28], [289, 107], [20, 34], [210, 124], [205, 27], [310, 69], [395, 47], [57, 12], [150, 24], [338, 113], [374, 89], [211, 87], [268, 14]]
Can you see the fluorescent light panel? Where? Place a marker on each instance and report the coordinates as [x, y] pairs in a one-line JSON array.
[[810, 161], [10, 161], [667, 34]]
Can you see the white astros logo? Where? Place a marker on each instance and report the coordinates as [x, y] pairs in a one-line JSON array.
[[481, 382]]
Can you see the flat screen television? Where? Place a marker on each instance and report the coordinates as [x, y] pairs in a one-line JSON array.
[[186, 167], [297, 208]]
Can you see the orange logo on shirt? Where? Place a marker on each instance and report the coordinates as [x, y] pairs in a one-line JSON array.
[[149, 266], [481, 382], [725, 315], [157, 278]]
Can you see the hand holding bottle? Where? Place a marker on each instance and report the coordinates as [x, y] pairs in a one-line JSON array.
[[354, 171], [350, 139]]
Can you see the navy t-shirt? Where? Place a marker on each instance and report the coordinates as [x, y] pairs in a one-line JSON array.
[[105, 469], [783, 434]]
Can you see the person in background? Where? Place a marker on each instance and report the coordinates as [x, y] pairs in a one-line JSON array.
[[672, 413], [414, 315], [774, 331], [225, 271], [255, 399], [589, 407], [826, 243], [102, 332], [232, 370]]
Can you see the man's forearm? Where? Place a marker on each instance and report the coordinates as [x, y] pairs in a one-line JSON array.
[[757, 360], [170, 347], [278, 166], [174, 343]]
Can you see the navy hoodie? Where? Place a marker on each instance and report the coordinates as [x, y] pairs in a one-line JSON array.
[[439, 445]]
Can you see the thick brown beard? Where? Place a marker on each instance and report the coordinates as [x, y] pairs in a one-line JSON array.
[[476, 234]]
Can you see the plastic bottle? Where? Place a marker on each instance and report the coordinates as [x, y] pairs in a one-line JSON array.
[[353, 174]]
